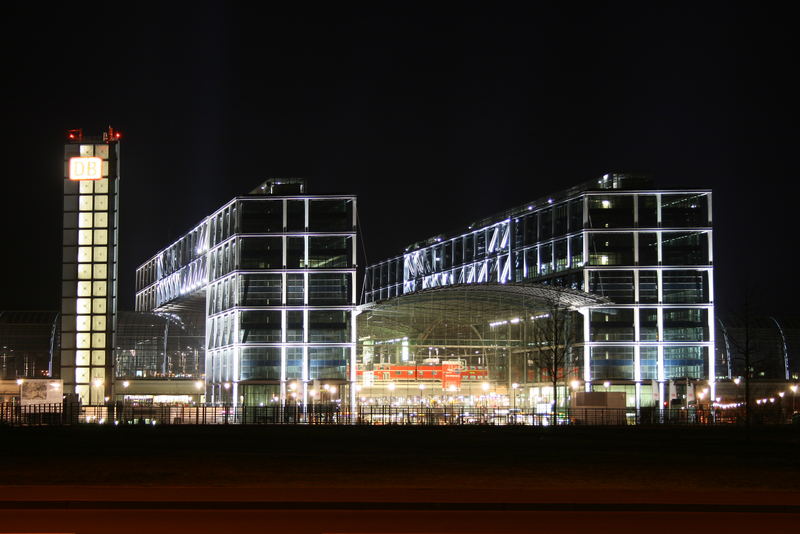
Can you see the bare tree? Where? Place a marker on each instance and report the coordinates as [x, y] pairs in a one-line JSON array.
[[553, 333]]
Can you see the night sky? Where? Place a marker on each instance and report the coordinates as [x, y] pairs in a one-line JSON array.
[[433, 121]]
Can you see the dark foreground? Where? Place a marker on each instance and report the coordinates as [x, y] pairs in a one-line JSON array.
[[397, 479]]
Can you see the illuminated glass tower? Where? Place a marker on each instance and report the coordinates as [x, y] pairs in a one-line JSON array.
[[273, 274], [89, 264]]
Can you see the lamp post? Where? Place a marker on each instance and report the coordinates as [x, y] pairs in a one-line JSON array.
[[514, 387]]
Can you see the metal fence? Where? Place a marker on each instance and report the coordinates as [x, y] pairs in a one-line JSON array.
[[333, 414]]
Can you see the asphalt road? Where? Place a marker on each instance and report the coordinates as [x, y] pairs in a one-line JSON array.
[[383, 521]]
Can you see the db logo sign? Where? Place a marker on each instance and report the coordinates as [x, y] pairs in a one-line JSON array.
[[85, 168]]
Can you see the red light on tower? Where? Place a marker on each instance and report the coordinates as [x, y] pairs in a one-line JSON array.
[[75, 135], [111, 135]]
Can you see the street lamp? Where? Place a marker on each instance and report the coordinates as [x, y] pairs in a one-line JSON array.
[[514, 387]]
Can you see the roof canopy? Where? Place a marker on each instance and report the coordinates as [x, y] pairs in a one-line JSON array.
[[468, 304]]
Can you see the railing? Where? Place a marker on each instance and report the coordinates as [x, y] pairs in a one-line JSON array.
[[334, 414]]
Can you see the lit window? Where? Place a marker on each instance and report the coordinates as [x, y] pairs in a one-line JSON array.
[[82, 357], [100, 220], [84, 289], [82, 323], [100, 270], [98, 341], [84, 237], [83, 393], [82, 375], [84, 305], [87, 151], [101, 186], [101, 237], [100, 254], [100, 202], [84, 254], [84, 220], [98, 322], [98, 357], [86, 187], [84, 271], [98, 305], [98, 289], [85, 203], [82, 341]]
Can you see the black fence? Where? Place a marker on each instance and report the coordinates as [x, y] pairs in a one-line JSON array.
[[334, 414]]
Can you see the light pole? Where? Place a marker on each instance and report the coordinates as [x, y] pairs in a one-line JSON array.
[[793, 387], [514, 387]]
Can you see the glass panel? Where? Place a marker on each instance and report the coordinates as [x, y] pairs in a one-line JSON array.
[[260, 363], [613, 324], [260, 216], [685, 324], [648, 211], [296, 215], [575, 215], [685, 287], [610, 211], [648, 287], [648, 363], [648, 249], [616, 285], [684, 362], [260, 290], [294, 326], [611, 249], [328, 362], [327, 289], [294, 363], [331, 252], [261, 253], [684, 210], [648, 324], [328, 326], [330, 216], [684, 248], [295, 289], [545, 224], [260, 326], [295, 252], [612, 363]]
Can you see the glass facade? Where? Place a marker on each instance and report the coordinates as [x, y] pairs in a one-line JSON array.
[[275, 276], [647, 251]]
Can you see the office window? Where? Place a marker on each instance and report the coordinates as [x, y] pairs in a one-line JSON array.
[[611, 248], [612, 363], [333, 252], [260, 326], [616, 285], [260, 290], [260, 216], [685, 210], [261, 253], [612, 324], [328, 326], [330, 215], [684, 248], [329, 289], [610, 211]]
